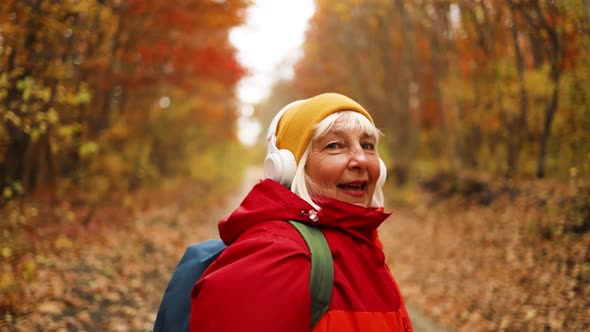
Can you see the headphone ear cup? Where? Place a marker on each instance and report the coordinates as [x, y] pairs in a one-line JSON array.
[[382, 174], [272, 166], [280, 166]]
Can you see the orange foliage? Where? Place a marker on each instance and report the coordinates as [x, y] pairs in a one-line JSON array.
[[178, 42]]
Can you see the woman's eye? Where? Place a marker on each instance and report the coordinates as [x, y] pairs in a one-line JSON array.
[[368, 146], [332, 146]]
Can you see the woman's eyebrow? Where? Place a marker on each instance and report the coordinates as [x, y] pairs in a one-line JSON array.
[[340, 132], [332, 134], [336, 132]]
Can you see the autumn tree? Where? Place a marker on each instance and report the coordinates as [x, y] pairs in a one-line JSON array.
[[366, 50], [468, 84], [85, 83]]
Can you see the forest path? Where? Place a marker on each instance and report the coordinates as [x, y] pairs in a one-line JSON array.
[[113, 278], [115, 282]]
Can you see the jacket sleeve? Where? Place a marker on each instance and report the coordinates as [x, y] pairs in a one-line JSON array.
[[259, 283]]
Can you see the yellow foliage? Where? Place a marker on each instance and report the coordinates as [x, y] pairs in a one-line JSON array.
[[113, 164], [341, 9], [52, 116], [6, 280], [204, 167], [6, 252], [538, 83], [4, 78], [15, 119], [87, 149], [30, 269], [67, 131], [119, 131], [63, 242], [217, 163], [128, 201], [7, 193], [85, 6]]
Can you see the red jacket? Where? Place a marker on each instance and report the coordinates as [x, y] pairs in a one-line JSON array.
[[261, 281]]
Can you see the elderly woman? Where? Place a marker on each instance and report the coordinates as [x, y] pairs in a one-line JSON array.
[[322, 168]]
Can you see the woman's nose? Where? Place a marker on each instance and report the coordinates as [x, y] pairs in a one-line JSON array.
[[358, 158]]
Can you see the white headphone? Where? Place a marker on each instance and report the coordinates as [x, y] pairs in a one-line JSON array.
[[280, 164]]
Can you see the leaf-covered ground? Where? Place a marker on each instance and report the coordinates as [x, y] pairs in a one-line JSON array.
[[110, 274], [490, 256], [509, 262]]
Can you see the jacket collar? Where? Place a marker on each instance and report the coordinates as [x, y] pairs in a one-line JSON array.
[[270, 201]]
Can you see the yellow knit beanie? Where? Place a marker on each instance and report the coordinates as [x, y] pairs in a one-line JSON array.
[[296, 126]]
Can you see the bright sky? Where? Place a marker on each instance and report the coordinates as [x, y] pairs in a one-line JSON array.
[[268, 45]]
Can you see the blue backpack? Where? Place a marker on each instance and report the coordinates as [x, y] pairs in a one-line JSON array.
[[174, 312]]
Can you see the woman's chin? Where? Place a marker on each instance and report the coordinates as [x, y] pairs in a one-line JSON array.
[[363, 204]]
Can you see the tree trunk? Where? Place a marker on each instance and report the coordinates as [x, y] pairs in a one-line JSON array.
[[556, 53], [30, 162], [362, 73], [547, 124], [587, 10], [440, 25], [18, 140], [110, 82], [397, 81], [519, 132]]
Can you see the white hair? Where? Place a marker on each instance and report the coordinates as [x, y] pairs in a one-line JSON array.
[[350, 120]]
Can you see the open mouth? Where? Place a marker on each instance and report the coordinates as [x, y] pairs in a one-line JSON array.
[[354, 186]]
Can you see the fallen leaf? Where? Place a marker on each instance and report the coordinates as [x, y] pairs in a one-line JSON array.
[[53, 308], [84, 317]]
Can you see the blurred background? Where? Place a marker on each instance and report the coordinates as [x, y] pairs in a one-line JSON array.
[[125, 125]]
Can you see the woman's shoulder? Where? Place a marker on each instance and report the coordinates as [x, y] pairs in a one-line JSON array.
[[261, 280], [278, 233], [263, 248]]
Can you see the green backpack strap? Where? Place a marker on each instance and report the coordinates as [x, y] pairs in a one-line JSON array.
[[321, 278]]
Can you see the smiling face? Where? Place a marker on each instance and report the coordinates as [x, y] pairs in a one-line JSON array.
[[343, 164]]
